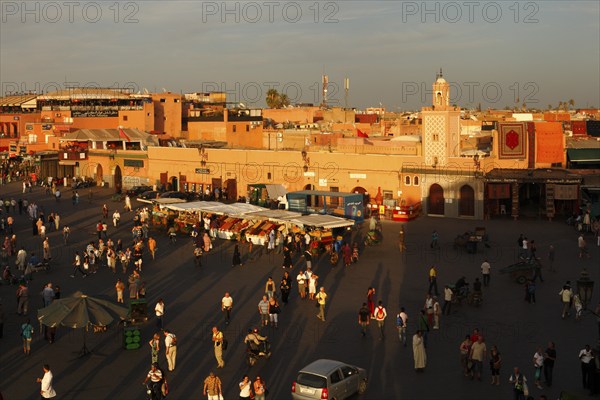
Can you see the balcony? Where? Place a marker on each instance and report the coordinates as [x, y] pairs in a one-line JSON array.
[[72, 154]]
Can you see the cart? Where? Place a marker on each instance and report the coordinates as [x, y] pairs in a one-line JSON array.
[[470, 240], [521, 271]]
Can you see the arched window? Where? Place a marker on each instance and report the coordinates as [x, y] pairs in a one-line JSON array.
[[416, 180], [407, 180]]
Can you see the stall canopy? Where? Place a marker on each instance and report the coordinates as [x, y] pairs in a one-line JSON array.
[[322, 221], [214, 207], [280, 216], [167, 200], [275, 191]]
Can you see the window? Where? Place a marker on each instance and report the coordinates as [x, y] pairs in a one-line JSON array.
[[335, 377], [436, 137], [416, 180], [407, 180], [268, 176], [348, 371], [125, 117], [162, 100], [247, 128], [234, 129], [388, 195], [176, 100]]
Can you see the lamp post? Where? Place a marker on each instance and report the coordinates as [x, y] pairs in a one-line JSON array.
[[585, 288]]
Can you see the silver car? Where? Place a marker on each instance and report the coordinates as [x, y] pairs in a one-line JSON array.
[[329, 379]]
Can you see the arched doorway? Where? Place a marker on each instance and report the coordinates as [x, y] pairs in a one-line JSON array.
[[311, 199], [466, 202], [99, 175], [435, 203], [118, 180], [174, 183]]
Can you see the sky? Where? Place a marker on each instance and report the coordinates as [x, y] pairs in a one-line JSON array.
[[494, 54]]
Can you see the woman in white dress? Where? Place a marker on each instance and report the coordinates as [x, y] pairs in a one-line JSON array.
[[312, 286], [419, 352]]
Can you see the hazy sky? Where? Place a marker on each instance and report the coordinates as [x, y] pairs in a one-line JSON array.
[[494, 53]]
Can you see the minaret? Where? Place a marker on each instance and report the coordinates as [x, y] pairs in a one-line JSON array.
[[441, 93]]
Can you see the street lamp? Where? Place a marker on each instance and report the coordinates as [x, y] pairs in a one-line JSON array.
[[585, 288]]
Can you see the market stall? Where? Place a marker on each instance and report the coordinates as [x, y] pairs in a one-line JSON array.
[[162, 216]]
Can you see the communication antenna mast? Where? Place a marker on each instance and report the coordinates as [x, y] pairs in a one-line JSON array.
[[346, 90], [325, 81]]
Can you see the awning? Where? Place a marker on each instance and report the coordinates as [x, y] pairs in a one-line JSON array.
[[322, 221], [235, 209], [281, 216], [167, 200], [584, 156], [275, 191]]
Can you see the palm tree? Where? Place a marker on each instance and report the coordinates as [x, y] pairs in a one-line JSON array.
[[272, 98], [560, 104], [284, 101], [572, 103]]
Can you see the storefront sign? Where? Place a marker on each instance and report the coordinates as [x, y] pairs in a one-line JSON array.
[[134, 163], [309, 174], [358, 176], [202, 170], [94, 113]]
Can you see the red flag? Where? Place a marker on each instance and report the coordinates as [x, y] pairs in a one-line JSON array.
[[361, 133], [123, 135]]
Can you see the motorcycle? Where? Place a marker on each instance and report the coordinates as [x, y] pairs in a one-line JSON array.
[[254, 353]]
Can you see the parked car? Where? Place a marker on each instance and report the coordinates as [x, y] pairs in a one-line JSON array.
[[137, 190], [329, 379], [146, 197], [193, 196], [173, 195]]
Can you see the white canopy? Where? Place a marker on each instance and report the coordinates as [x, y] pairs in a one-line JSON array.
[[322, 221], [274, 215], [215, 207], [275, 191], [167, 200]]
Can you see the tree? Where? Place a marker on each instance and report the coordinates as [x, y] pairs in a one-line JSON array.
[[549, 107], [560, 104], [272, 98], [572, 103], [284, 101]]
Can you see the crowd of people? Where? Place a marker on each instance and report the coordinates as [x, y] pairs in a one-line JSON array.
[[297, 251]]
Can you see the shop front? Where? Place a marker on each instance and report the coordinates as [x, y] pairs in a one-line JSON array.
[[539, 193]]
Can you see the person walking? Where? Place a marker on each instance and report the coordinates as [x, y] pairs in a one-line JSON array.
[[495, 364], [364, 317], [428, 306], [433, 280], [212, 387], [270, 287], [477, 356], [274, 311], [245, 388], [22, 295], [401, 237], [437, 310], [159, 311], [27, 336], [154, 347], [285, 286], [77, 266], [582, 245], [371, 300], [485, 272], [119, 288], [465, 350], [586, 357], [419, 354], [170, 349], [46, 389], [152, 246], [321, 300], [263, 310], [217, 338], [260, 388], [301, 280], [519, 382], [538, 364], [435, 240], [566, 295], [380, 316], [448, 293], [227, 306], [423, 327], [116, 217], [401, 321], [549, 359]]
